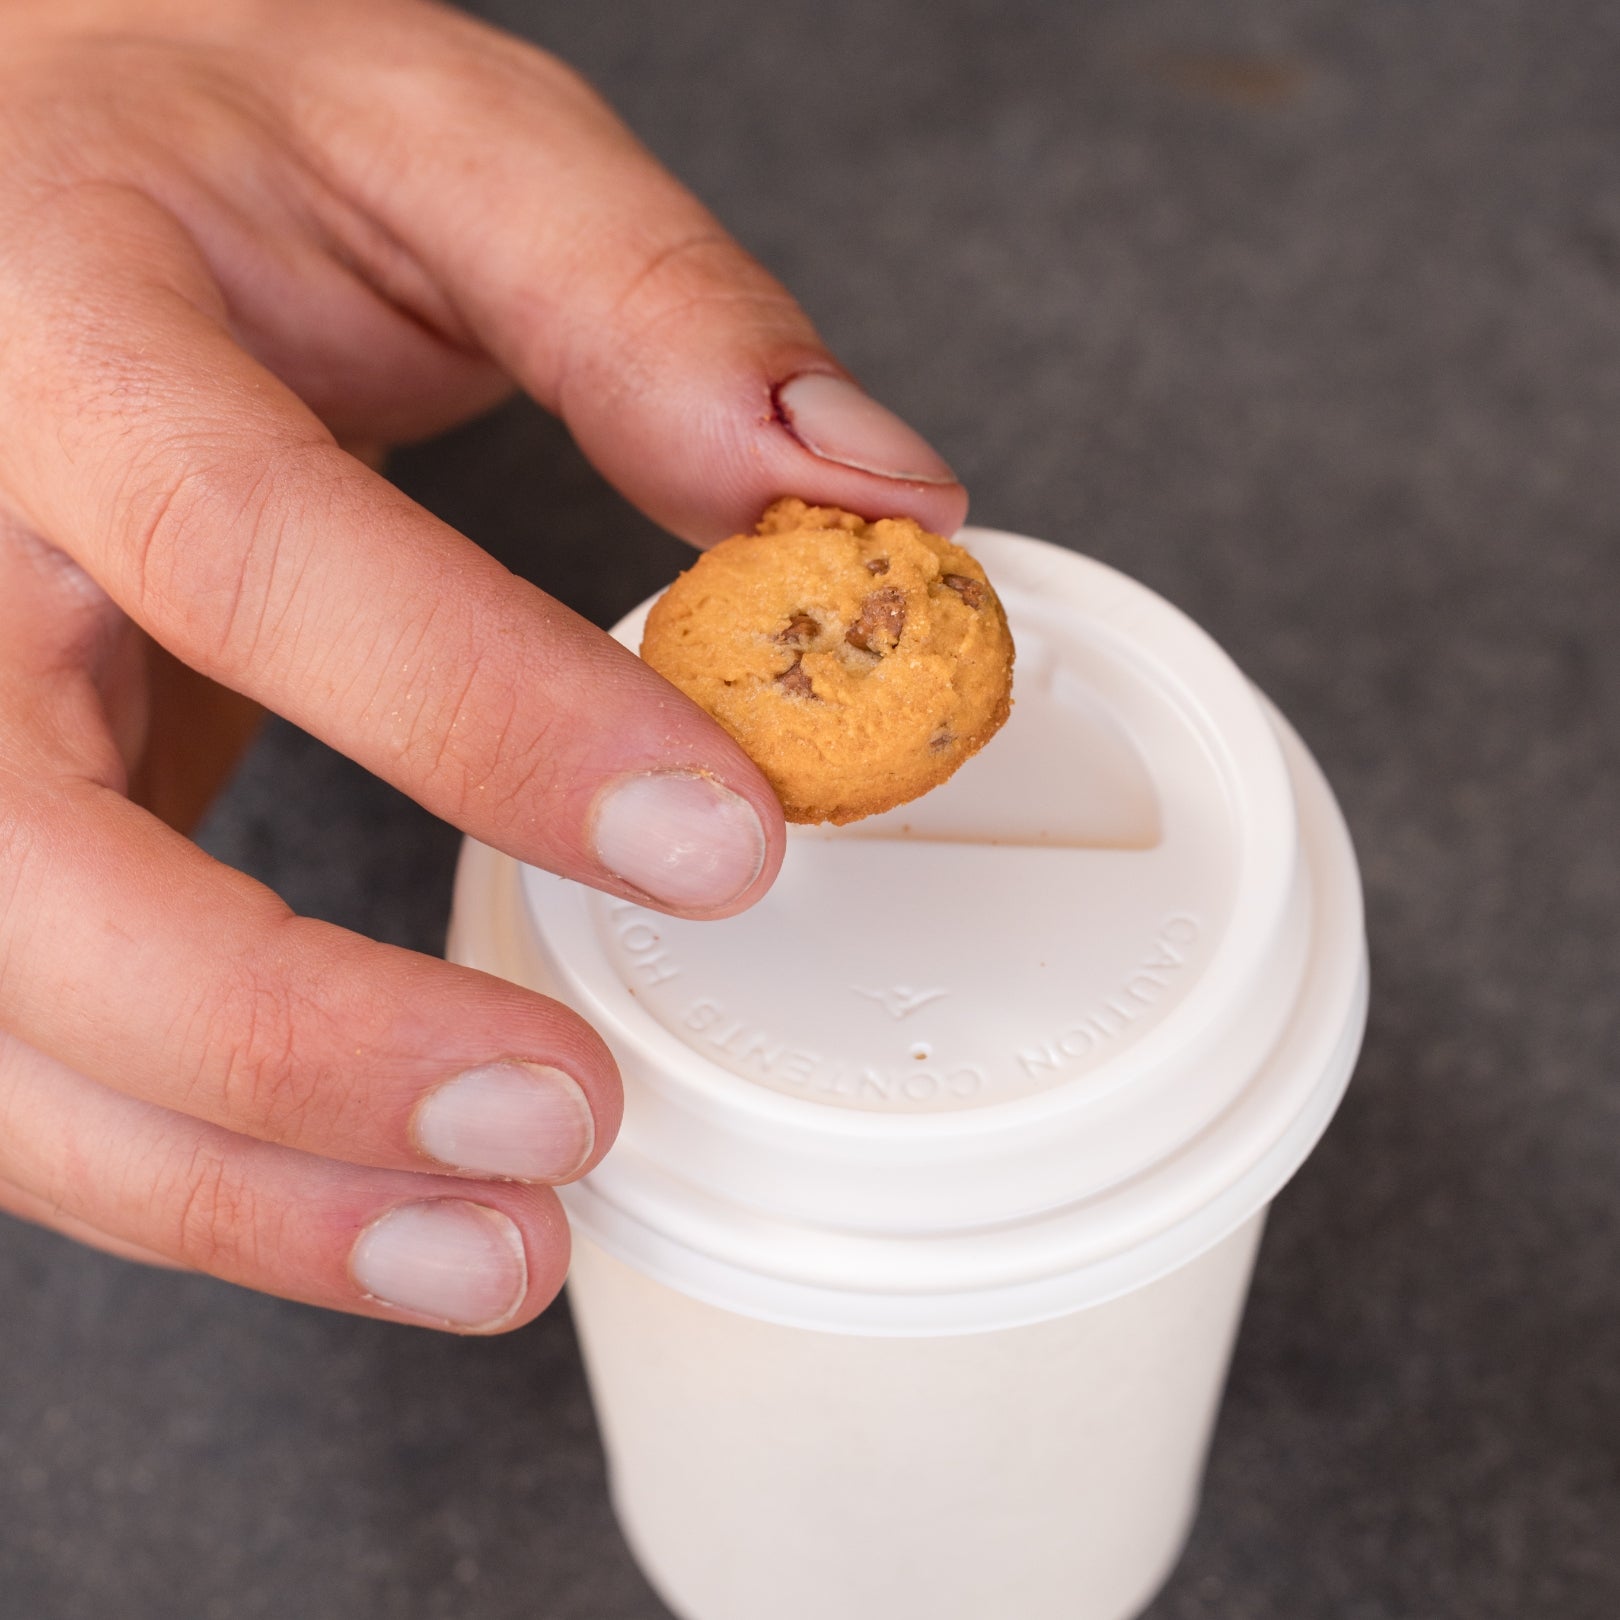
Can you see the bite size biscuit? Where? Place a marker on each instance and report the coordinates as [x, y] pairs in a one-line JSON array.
[[857, 663]]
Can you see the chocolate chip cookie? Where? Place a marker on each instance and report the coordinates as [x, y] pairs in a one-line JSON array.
[[857, 663]]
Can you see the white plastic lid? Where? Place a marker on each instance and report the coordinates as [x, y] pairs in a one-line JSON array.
[[1007, 1051]]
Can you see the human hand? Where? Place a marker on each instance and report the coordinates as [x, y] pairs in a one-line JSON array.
[[234, 236]]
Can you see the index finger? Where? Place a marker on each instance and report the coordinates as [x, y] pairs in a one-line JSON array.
[[217, 511]]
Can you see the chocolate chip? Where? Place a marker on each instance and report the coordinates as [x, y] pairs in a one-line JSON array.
[[877, 565], [883, 617], [800, 632], [795, 680], [970, 590]]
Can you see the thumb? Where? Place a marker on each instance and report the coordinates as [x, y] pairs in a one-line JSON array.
[[685, 371]]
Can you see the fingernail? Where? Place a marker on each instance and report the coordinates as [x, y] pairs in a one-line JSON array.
[[679, 837], [835, 420], [525, 1120], [458, 1263]]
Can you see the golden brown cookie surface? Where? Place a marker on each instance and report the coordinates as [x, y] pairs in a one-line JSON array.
[[857, 663]]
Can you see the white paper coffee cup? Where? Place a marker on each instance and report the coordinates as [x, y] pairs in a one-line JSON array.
[[908, 1290]]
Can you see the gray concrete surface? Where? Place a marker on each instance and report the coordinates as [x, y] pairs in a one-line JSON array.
[[1308, 315]]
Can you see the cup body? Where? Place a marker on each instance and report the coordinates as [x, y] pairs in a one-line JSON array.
[[1044, 1472]]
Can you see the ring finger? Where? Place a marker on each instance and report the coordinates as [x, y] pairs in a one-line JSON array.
[[470, 1258]]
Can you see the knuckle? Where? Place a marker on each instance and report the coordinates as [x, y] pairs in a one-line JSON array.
[[469, 742], [24, 835], [700, 270], [213, 1221], [489, 77], [456, 744], [689, 286], [685, 263], [206, 547], [255, 1057], [481, 763]]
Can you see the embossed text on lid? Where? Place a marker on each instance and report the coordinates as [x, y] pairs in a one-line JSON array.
[[1017, 928]]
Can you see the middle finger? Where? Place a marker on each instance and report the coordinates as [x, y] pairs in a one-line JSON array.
[[138, 960]]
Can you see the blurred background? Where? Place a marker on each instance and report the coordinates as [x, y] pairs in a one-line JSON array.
[[1306, 314]]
